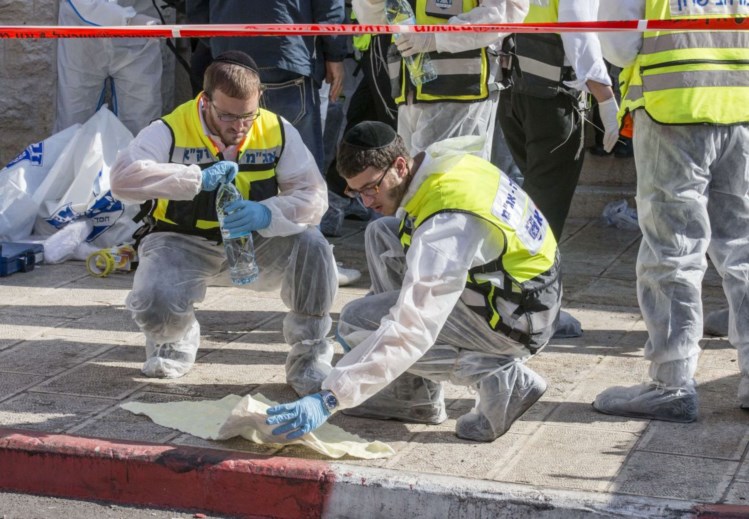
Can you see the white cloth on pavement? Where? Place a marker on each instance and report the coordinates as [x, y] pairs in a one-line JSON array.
[[245, 416]]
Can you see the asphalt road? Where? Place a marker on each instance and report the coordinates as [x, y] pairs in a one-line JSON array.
[[24, 506]]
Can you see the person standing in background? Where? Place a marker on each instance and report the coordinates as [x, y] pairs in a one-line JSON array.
[[462, 99], [291, 67], [131, 66], [542, 113], [688, 93]]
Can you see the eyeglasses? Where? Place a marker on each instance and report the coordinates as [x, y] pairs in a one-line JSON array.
[[231, 118], [370, 190]]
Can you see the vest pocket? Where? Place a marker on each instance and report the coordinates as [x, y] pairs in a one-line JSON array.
[[538, 67]]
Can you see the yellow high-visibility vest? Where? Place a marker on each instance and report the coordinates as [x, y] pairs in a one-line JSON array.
[[257, 158], [461, 76], [690, 77], [468, 184]]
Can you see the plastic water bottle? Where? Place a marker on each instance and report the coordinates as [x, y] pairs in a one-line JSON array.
[[240, 252], [420, 66]]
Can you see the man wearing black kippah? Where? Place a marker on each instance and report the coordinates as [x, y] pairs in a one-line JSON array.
[[173, 168], [465, 288]]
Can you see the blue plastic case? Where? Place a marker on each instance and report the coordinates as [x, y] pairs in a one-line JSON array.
[[19, 257]]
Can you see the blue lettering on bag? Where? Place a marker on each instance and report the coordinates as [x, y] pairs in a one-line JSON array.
[[34, 154]]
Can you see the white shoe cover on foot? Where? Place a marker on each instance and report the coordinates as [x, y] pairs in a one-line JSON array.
[[307, 365], [409, 398], [172, 359], [651, 401], [502, 398]]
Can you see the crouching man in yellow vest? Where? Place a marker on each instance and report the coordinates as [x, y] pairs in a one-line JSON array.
[[173, 168], [689, 96], [465, 288]]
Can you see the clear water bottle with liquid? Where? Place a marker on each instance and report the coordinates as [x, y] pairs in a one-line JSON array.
[[240, 252], [420, 66]]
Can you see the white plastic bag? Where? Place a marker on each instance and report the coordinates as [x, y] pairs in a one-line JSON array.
[[21, 177], [77, 186], [621, 216]]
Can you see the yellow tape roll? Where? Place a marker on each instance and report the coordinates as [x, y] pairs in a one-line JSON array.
[[100, 263]]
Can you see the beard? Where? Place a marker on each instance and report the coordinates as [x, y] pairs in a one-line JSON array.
[[395, 196]]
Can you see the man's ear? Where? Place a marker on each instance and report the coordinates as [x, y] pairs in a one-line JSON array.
[[401, 167]]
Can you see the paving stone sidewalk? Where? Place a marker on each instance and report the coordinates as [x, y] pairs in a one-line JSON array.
[[70, 354]]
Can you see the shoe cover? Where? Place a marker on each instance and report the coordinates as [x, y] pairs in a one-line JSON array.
[[172, 359], [652, 401], [716, 323], [675, 373], [346, 276], [567, 327], [307, 365], [502, 398], [409, 398]]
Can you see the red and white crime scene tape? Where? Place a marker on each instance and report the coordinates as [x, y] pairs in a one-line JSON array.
[[209, 31]]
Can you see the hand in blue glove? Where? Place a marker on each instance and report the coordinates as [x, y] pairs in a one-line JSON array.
[[298, 418], [244, 216], [223, 171]]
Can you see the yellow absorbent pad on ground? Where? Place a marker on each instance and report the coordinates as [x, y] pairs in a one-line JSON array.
[[234, 415]]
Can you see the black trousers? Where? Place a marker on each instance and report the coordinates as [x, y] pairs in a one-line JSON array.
[[544, 137]]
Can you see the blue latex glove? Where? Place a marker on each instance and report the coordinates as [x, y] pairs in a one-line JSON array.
[[223, 171], [244, 216], [298, 418]]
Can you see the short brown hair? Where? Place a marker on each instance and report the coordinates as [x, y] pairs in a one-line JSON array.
[[233, 80], [352, 160]]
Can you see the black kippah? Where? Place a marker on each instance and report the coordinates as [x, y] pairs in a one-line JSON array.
[[237, 57], [370, 135]]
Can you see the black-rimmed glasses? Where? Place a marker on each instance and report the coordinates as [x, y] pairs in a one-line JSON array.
[[370, 190], [232, 118]]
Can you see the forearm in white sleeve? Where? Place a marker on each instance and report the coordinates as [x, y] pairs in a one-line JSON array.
[[488, 11], [621, 48], [303, 196], [369, 11], [142, 170], [100, 12], [441, 253], [582, 49]]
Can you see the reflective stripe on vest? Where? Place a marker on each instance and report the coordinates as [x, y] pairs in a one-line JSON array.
[[540, 68], [257, 158], [690, 77], [461, 76], [474, 186]]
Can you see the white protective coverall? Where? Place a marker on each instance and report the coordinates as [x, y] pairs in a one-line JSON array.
[[421, 124], [132, 65], [692, 199], [417, 323], [175, 269]]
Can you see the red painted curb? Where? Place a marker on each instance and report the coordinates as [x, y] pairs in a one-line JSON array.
[[212, 480]]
